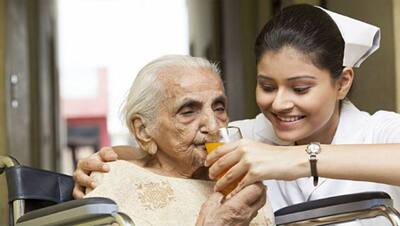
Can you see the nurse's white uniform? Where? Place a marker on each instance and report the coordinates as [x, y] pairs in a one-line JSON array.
[[355, 127]]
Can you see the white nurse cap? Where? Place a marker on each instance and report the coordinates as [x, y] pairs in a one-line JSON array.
[[361, 39]]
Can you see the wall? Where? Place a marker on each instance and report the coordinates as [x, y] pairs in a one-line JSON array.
[[375, 86], [224, 31], [17, 64], [3, 129], [43, 84], [242, 20], [205, 29], [2, 82], [32, 129], [396, 20], [28, 131]]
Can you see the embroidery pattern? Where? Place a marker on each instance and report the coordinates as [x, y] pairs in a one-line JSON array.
[[155, 195]]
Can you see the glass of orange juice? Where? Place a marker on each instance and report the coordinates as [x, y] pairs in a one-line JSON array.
[[220, 137]]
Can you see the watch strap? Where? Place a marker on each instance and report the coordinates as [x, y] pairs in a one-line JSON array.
[[314, 172]]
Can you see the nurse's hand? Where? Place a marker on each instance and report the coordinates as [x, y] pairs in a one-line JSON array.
[[248, 161], [95, 162], [237, 211]]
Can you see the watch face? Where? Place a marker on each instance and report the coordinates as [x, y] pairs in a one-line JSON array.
[[313, 148]]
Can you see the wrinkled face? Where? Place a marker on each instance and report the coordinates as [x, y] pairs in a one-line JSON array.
[[299, 99], [194, 104]]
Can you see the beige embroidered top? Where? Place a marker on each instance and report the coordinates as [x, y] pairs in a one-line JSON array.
[[151, 199]]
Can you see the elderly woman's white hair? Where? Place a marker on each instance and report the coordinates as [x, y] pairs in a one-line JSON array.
[[146, 91]]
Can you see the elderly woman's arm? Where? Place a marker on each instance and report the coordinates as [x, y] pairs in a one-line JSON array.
[[237, 211]]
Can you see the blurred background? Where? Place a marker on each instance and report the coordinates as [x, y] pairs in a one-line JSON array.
[[66, 65]]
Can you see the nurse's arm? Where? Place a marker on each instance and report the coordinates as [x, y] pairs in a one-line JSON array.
[[251, 161], [365, 162]]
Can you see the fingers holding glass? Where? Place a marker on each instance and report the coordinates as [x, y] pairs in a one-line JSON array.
[[223, 136], [219, 152], [223, 164], [230, 180]]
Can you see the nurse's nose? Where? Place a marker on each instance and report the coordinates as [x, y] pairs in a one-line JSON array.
[[209, 122], [282, 103]]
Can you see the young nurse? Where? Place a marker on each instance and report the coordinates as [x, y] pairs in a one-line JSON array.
[[308, 131]]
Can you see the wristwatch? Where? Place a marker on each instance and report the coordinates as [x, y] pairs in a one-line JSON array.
[[313, 149]]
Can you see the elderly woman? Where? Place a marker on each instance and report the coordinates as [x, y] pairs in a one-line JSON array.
[[173, 105]]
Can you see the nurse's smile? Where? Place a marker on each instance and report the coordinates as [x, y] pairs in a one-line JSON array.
[[287, 122]]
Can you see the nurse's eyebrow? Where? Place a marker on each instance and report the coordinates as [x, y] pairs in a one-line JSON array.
[[301, 77], [264, 77], [289, 79]]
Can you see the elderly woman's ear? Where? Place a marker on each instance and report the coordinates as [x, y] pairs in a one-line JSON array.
[[143, 137]]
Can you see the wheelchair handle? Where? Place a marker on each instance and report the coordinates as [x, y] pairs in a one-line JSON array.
[[6, 162]]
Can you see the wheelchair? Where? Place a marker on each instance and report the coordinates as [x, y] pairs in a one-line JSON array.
[[338, 210], [38, 197], [43, 198]]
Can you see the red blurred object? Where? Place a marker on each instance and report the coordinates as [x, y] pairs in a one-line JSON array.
[[86, 118]]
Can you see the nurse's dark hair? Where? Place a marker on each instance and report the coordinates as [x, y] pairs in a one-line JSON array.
[[308, 29]]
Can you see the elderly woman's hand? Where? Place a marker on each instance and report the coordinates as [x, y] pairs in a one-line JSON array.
[[95, 162], [237, 211], [248, 161]]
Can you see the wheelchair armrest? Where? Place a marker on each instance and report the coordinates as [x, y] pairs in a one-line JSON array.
[[71, 212], [332, 206], [27, 183]]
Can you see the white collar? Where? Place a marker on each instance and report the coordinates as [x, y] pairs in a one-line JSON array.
[[351, 122]]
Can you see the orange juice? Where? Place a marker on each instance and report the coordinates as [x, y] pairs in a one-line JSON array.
[[210, 147]]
